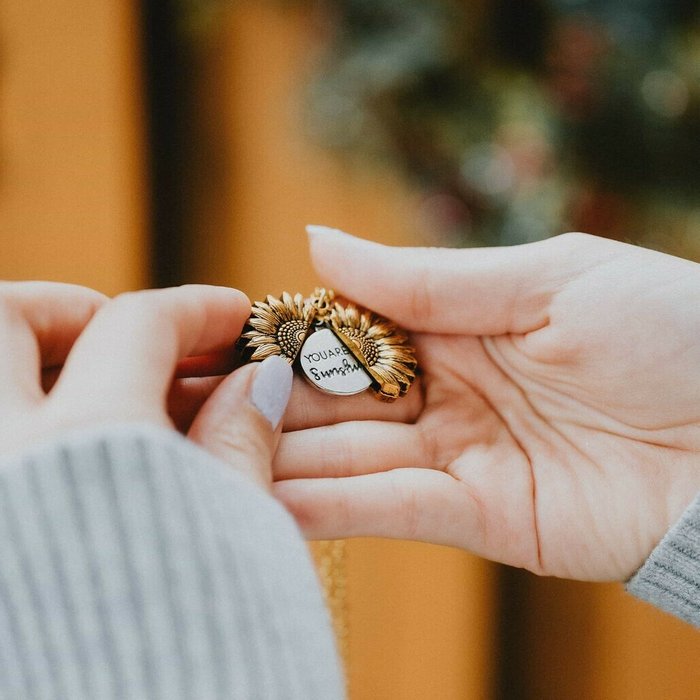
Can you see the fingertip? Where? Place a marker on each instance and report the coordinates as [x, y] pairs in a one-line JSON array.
[[325, 238], [322, 241], [316, 230], [227, 308], [240, 296], [242, 301], [340, 258], [227, 293]]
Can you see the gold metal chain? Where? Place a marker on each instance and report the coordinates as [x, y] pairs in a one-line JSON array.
[[322, 299], [331, 564]]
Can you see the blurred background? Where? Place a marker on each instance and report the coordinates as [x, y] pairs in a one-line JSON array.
[[154, 142]]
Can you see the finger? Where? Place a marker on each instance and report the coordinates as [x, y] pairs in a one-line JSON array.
[[479, 291], [309, 407], [213, 364], [415, 504], [39, 323], [194, 383], [348, 449], [241, 421], [186, 398], [130, 350]]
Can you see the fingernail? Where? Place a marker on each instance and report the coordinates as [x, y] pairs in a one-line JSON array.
[[315, 230], [271, 388]]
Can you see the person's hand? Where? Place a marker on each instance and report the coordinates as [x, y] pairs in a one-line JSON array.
[[556, 425], [72, 359]]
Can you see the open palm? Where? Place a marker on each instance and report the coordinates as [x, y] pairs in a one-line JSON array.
[[556, 425]]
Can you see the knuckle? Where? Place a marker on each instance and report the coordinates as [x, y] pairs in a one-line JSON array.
[[169, 308], [339, 453], [135, 298], [562, 248], [42, 304], [576, 249], [331, 452], [233, 443], [420, 302], [147, 303], [573, 239], [126, 300], [89, 301], [12, 301], [344, 511], [8, 302], [97, 299], [409, 508], [68, 290], [430, 446]]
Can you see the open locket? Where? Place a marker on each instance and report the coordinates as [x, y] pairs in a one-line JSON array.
[[341, 349]]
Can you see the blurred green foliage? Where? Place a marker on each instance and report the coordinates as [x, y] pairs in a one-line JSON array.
[[522, 119]]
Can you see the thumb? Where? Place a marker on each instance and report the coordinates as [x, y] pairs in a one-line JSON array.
[[479, 291], [242, 420]]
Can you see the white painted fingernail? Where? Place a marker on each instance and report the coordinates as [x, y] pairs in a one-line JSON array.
[[271, 388]]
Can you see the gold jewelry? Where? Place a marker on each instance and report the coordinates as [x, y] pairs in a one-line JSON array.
[[340, 349]]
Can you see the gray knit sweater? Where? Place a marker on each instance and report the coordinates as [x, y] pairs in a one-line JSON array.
[[134, 565], [670, 577]]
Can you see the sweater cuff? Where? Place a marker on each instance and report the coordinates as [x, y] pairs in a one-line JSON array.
[[135, 565], [670, 577]]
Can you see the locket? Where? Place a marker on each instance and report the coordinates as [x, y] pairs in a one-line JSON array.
[[341, 349]]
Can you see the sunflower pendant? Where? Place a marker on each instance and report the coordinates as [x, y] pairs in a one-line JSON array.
[[340, 349]]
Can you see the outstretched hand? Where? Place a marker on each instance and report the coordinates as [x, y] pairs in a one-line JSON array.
[[556, 424]]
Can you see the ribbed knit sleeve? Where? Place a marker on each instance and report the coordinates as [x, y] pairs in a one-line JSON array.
[[134, 565], [670, 577]]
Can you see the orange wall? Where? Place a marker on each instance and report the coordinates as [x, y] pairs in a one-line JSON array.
[[71, 154]]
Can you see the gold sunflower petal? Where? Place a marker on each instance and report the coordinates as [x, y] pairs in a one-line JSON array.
[[352, 316], [300, 306], [383, 372], [279, 308], [262, 325], [396, 354], [265, 313], [309, 312], [250, 335], [399, 377], [265, 351], [258, 340], [339, 316], [390, 340]]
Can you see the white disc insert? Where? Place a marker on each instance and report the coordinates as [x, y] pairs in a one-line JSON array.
[[330, 366]]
